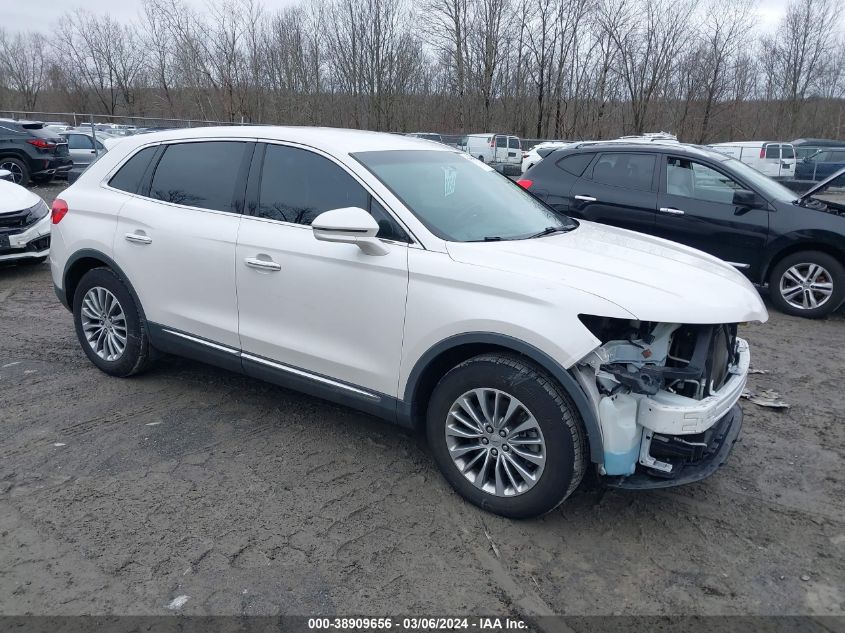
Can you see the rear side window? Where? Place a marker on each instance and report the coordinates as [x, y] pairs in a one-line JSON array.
[[79, 141], [631, 171], [772, 151], [128, 178], [575, 164], [298, 185], [199, 174]]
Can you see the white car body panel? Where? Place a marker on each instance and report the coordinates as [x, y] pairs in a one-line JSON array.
[[15, 198], [185, 243], [330, 309]]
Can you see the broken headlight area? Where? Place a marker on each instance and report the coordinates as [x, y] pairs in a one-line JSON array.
[[659, 390]]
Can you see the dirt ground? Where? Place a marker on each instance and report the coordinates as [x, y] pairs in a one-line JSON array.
[[116, 496]]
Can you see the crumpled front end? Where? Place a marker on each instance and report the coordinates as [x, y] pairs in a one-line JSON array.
[[666, 398]]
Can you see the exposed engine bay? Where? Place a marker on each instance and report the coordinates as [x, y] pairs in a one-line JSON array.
[[660, 390]]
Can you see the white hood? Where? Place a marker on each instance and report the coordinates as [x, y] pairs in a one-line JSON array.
[[15, 198], [652, 278]]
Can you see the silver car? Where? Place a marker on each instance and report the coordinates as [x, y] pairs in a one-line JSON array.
[[83, 147]]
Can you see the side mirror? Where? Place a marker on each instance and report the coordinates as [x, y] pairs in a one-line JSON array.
[[5, 174], [350, 225], [749, 199]]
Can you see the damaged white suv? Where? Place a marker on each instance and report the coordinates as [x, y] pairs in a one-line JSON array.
[[417, 284]]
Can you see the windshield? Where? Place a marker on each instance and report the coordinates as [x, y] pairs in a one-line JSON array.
[[460, 199], [765, 185]]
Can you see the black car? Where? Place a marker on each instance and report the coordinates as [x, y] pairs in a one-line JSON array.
[[714, 203], [31, 152]]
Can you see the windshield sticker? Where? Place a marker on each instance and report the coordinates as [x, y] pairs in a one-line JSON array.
[[450, 177]]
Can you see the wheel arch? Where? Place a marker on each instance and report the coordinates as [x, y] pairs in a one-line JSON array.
[[443, 356], [798, 247], [80, 263]]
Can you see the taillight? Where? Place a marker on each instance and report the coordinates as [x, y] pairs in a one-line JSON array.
[[763, 152], [492, 141], [40, 143], [58, 211], [525, 183]]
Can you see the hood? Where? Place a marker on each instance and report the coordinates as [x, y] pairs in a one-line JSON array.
[[15, 198], [822, 185], [652, 278]]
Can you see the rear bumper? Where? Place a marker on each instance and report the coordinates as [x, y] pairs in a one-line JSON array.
[[51, 166], [723, 435]]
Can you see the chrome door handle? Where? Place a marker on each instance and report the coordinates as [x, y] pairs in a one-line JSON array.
[[671, 211], [262, 264], [135, 238], [585, 198]]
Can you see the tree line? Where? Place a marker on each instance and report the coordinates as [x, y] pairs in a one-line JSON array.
[[568, 69]]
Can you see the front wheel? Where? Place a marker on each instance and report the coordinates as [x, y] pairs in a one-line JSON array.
[[109, 324], [809, 284], [506, 436]]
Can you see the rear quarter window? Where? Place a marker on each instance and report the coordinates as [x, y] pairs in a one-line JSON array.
[[128, 178], [575, 164]]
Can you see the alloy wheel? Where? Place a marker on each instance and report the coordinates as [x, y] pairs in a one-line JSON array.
[[104, 323], [17, 172], [806, 286], [495, 442]]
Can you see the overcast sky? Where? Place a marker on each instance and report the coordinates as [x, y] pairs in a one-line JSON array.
[[40, 14]]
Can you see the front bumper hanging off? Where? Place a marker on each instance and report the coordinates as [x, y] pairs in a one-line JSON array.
[[722, 437]]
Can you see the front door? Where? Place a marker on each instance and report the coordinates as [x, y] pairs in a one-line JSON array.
[[696, 207], [324, 311], [617, 189]]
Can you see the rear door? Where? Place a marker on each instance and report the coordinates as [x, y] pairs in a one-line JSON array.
[[514, 150], [618, 188], [176, 239], [500, 149], [81, 148], [696, 208]]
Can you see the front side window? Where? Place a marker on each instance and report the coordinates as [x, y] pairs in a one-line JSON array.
[[460, 199], [199, 174], [694, 180], [298, 185], [631, 171], [128, 178]]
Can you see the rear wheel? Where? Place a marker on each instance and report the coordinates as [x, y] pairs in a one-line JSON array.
[[20, 172], [109, 324], [809, 284], [506, 436]]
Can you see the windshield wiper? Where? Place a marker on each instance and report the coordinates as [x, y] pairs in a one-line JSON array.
[[552, 229]]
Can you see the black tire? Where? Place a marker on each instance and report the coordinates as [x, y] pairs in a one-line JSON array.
[[833, 273], [136, 354], [19, 169], [556, 415], [33, 261], [481, 158]]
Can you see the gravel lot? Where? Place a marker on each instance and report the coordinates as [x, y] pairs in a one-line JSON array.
[[116, 496]]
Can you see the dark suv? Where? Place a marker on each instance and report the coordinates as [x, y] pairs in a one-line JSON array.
[[31, 152], [714, 203]]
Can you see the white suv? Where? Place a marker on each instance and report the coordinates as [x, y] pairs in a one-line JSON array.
[[415, 283]]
